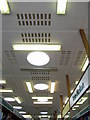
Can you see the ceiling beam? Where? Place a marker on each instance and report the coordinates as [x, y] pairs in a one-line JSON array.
[[85, 42], [68, 85], [61, 105]]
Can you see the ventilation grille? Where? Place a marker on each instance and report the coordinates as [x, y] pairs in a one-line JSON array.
[[36, 37], [34, 19], [65, 57], [80, 57], [11, 56], [40, 78], [40, 72]]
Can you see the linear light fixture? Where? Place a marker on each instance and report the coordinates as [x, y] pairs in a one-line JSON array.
[[73, 109], [9, 99], [76, 82], [66, 100], [42, 102], [44, 112], [17, 107], [37, 47], [72, 90], [61, 6], [76, 106], [85, 64], [2, 81], [52, 87], [4, 7], [27, 116], [29, 86], [44, 116], [18, 100], [5, 91], [82, 100], [49, 98], [22, 112]]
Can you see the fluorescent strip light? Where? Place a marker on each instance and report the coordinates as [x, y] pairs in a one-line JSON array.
[[18, 100], [71, 91], [4, 8], [66, 100], [5, 91], [17, 107], [82, 100], [73, 109], [61, 6], [76, 82], [43, 112], [34, 98], [2, 81], [29, 86], [42, 102], [38, 47], [9, 99], [27, 116], [76, 106], [22, 112], [52, 87], [85, 65]]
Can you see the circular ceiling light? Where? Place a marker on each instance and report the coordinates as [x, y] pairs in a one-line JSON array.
[[38, 58], [41, 86], [9, 99]]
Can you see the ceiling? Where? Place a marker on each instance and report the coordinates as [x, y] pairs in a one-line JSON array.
[[36, 28]]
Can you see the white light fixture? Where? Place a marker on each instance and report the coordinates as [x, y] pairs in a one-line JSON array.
[[52, 87], [71, 91], [76, 82], [43, 112], [22, 112], [88, 91], [27, 116], [4, 8], [17, 107], [2, 81], [73, 109], [38, 58], [67, 116], [66, 100], [49, 98], [37, 47], [42, 102], [41, 86], [82, 100], [18, 100], [59, 116], [9, 99], [85, 65], [76, 106], [5, 91], [29, 86], [61, 6]]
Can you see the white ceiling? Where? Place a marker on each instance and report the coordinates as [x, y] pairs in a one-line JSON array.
[[64, 30]]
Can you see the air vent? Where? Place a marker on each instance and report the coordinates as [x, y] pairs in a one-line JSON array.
[[39, 72], [65, 57], [80, 57], [36, 37], [34, 19], [11, 56], [40, 78]]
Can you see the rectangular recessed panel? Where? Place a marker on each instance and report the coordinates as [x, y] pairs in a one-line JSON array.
[[34, 19], [40, 78], [36, 37]]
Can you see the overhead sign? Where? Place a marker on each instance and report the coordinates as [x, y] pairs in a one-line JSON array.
[[66, 109], [81, 87]]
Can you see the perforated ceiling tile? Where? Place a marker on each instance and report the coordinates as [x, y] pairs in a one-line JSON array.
[[11, 56], [40, 72], [40, 78], [36, 37], [34, 19], [80, 57], [65, 57]]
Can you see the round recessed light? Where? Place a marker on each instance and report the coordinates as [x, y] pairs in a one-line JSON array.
[[9, 99], [17, 107], [38, 58], [41, 86]]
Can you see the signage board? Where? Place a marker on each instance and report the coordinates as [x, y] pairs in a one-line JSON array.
[[81, 87]]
